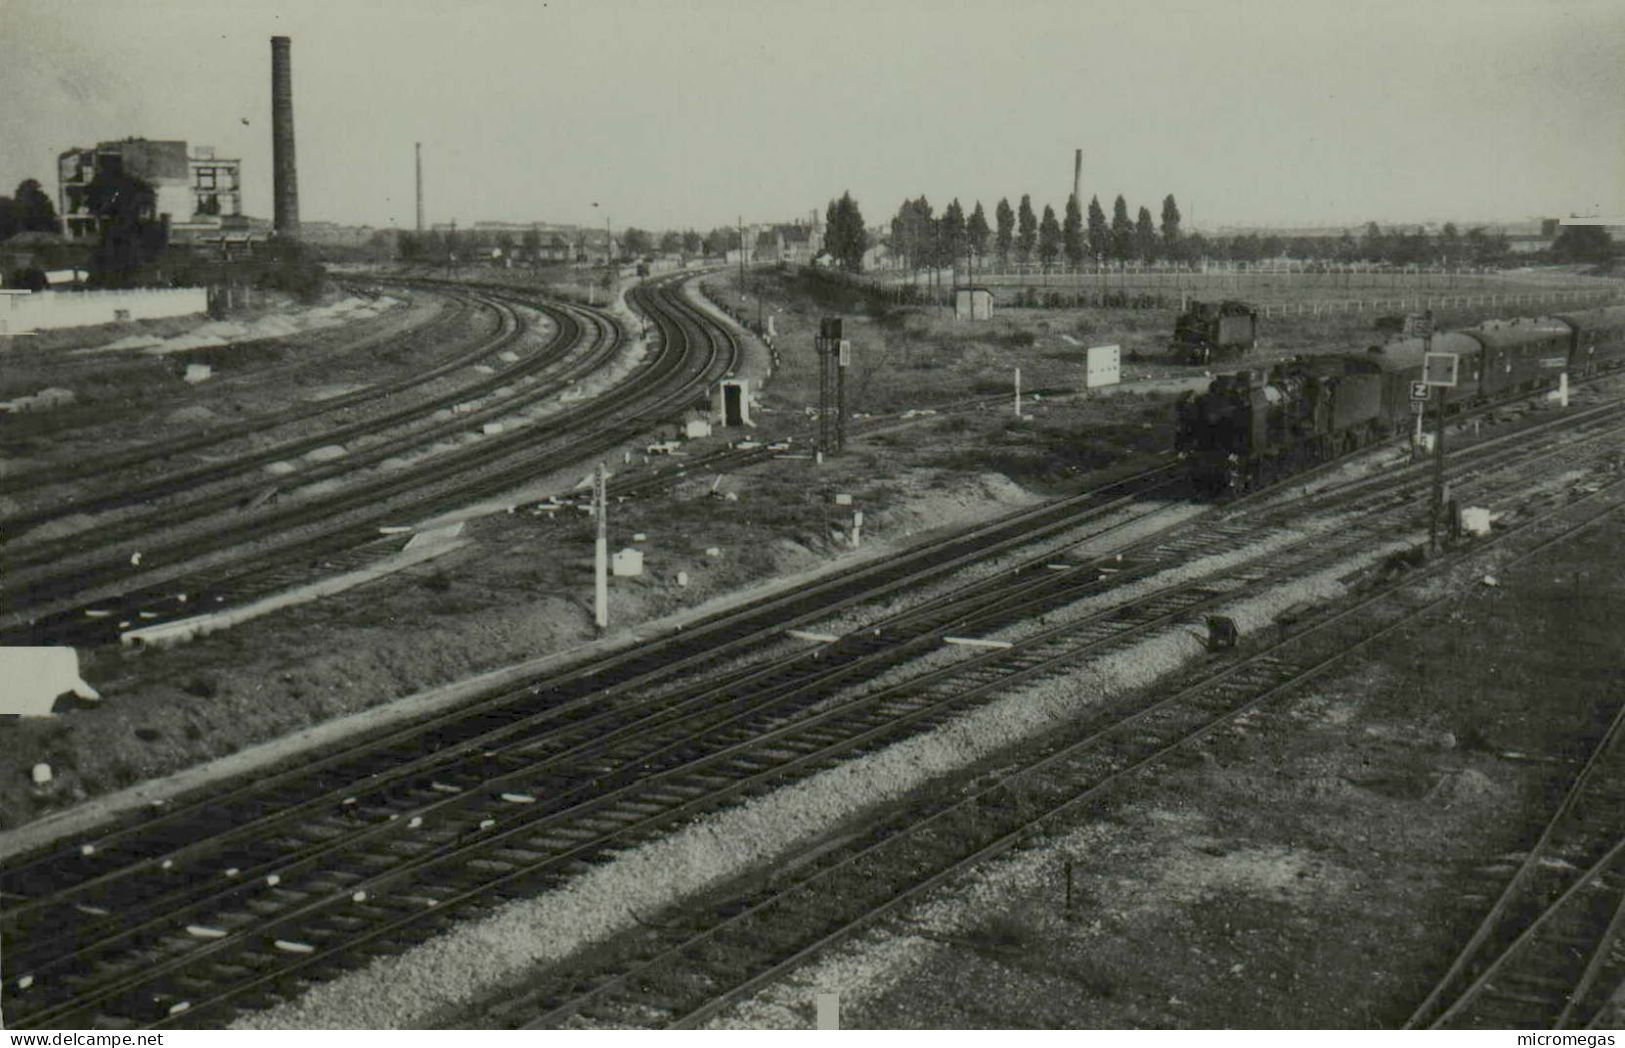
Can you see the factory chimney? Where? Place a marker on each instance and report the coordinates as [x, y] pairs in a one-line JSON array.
[[284, 171], [1077, 176], [420, 186]]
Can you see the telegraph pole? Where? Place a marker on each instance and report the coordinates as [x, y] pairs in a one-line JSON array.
[[600, 510], [741, 220]]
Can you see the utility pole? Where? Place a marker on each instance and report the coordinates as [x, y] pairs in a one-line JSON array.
[[609, 263], [451, 248], [600, 511], [741, 220]]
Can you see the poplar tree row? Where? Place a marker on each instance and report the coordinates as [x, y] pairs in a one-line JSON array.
[[924, 238]]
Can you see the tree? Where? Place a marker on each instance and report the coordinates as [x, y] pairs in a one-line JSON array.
[[953, 232], [671, 243], [8, 218], [131, 232], [1450, 242], [1170, 225], [1145, 237], [1006, 219], [1100, 244], [1026, 228], [1372, 243], [976, 230], [1049, 236], [721, 240], [634, 242], [1583, 244], [531, 241], [914, 232], [846, 239], [693, 243], [33, 208], [505, 243], [1122, 230], [1072, 231]]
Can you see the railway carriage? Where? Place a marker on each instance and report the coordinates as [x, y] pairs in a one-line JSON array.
[[1596, 339], [1250, 428]]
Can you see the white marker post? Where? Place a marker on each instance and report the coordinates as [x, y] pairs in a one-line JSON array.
[[1420, 394], [600, 509], [1018, 392]]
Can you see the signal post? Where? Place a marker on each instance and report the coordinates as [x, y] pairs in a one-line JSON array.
[[834, 354], [1439, 371]]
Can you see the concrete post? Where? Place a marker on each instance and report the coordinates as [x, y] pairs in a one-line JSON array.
[[1018, 392]]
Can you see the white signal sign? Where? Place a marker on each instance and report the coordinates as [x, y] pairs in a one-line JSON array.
[[1439, 369], [1419, 390], [1417, 406], [845, 359]]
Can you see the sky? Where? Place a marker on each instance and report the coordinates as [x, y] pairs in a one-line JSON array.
[[691, 113]]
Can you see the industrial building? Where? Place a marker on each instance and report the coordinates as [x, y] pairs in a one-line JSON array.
[[197, 193]]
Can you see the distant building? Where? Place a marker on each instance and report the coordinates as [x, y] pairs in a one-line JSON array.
[[1613, 226], [333, 234], [796, 243], [198, 193]]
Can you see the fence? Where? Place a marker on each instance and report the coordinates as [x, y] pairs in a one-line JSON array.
[[1418, 303], [22, 311], [1243, 278]]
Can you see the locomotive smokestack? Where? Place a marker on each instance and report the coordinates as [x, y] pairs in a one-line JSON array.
[[1077, 177], [420, 186], [284, 171]]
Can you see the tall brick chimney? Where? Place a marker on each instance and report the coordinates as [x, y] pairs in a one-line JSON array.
[[1077, 176], [284, 171]]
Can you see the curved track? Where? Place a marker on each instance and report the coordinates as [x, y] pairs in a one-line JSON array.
[[687, 360], [118, 462]]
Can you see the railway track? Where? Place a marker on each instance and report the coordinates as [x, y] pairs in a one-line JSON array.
[[173, 972], [191, 493], [516, 793], [351, 516], [687, 968], [120, 462], [1550, 951]]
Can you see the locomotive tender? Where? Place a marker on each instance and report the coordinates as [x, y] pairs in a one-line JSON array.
[[1250, 429]]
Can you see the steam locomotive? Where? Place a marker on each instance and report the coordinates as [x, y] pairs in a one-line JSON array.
[[1250, 429], [1214, 331]]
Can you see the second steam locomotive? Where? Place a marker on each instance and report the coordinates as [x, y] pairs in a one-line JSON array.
[[1250, 429]]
